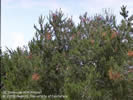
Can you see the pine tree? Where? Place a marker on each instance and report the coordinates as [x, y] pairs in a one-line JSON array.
[[88, 61]]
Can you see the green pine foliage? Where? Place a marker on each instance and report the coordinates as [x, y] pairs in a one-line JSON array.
[[88, 61]]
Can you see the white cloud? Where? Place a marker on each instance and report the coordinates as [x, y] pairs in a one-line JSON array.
[[13, 40], [18, 40]]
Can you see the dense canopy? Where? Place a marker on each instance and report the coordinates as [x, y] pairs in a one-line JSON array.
[[89, 61]]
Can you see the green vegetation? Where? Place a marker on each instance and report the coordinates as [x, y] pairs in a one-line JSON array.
[[88, 61]]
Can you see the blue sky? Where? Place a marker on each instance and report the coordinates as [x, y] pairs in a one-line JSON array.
[[19, 16]]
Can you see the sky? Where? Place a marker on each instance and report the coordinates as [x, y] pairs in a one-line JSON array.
[[19, 16]]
